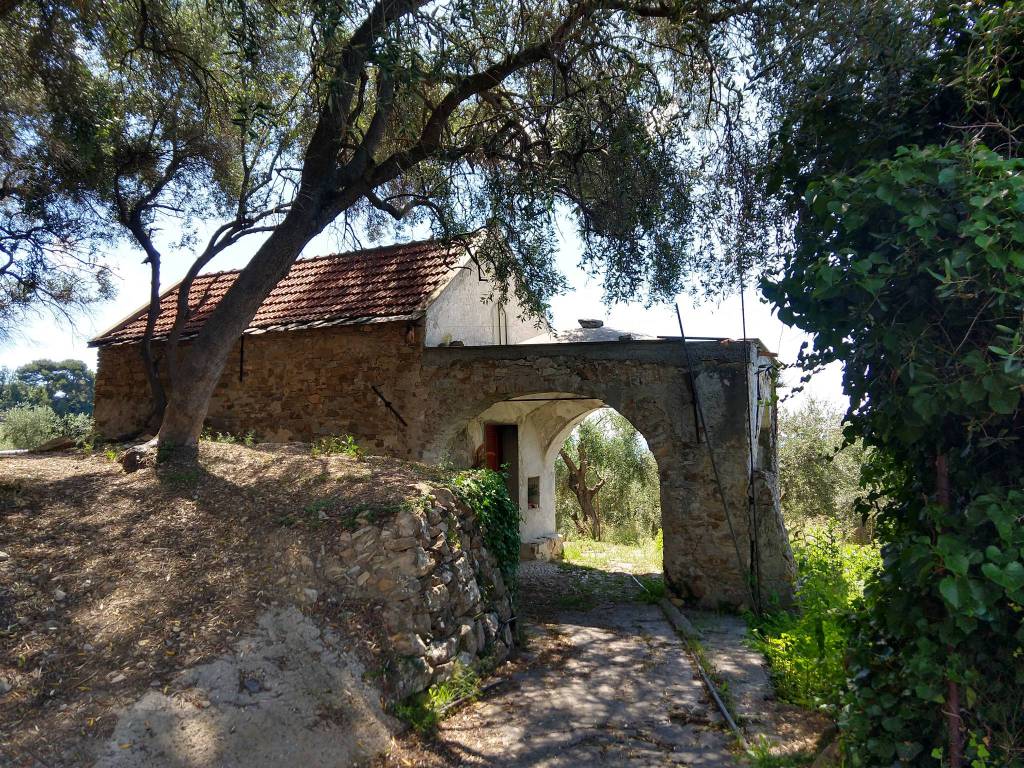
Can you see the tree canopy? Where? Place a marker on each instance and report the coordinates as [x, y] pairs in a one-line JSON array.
[[281, 120], [66, 386]]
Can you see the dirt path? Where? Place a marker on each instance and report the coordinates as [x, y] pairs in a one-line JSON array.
[[608, 684]]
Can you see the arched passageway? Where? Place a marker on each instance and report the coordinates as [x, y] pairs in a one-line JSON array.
[[524, 434], [545, 390]]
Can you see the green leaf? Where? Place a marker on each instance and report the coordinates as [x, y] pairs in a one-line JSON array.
[[950, 592], [1004, 401], [1010, 577]]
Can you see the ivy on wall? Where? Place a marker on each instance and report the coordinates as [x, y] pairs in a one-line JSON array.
[[484, 491], [911, 272]]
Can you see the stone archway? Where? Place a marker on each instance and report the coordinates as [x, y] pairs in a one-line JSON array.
[[708, 554]]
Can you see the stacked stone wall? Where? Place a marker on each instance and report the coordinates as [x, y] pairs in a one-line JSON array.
[[427, 575], [298, 385], [293, 385]]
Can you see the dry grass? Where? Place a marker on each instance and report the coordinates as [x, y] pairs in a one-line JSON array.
[[641, 558], [114, 582]]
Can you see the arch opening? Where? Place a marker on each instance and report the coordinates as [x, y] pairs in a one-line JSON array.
[[607, 485], [524, 434]]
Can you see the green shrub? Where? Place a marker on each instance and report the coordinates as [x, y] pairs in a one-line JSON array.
[[910, 271], [26, 426], [79, 427], [484, 491], [425, 710], [344, 445], [806, 648]]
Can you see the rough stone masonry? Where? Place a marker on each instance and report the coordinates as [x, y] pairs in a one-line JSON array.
[[380, 383]]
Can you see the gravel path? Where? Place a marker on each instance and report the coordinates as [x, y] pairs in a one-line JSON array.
[[607, 685]]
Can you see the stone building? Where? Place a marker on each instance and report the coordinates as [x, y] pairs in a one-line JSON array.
[[405, 348]]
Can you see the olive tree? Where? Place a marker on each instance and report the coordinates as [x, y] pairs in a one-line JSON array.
[[607, 480], [282, 120]]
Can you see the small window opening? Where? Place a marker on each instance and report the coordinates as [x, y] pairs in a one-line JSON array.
[[533, 492]]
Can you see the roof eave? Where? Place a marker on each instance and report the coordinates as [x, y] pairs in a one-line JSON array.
[[100, 342]]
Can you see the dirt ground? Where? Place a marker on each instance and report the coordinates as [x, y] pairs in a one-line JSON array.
[[112, 583], [117, 589]]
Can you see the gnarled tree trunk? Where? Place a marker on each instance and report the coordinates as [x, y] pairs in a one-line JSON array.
[[588, 523], [202, 362]]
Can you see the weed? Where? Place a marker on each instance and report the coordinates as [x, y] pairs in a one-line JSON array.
[[87, 443], [372, 512], [315, 507], [721, 684], [248, 439], [423, 711], [454, 539], [762, 755], [654, 589], [806, 650], [311, 517], [110, 454], [344, 445]]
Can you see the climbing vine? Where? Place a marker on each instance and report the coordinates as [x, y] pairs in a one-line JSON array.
[[911, 272], [485, 492]]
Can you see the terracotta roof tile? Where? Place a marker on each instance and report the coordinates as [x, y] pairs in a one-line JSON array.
[[361, 286]]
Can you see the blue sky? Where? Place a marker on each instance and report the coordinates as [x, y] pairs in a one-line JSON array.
[[45, 337]]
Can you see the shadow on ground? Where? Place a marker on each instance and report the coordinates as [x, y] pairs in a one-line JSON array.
[[603, 680]]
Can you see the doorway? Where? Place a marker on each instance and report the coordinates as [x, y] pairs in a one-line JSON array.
[[501, 444]]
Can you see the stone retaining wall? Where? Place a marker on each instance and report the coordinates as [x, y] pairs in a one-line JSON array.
[[438, 590]]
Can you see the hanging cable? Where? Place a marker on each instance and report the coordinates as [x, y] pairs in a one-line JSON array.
[[751, 488], [714, 464]]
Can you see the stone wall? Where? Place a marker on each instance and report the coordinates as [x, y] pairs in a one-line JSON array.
[[298, 385], [291, 386], [430, 579], [707, 554]]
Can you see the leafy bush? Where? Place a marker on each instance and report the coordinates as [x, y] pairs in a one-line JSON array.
[[79, 427], [344, 445], [26, 426], [484, 491], [911, 272], [806, 649]]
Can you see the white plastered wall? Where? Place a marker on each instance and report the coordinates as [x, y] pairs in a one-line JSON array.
[[463, 311], [544, 422]]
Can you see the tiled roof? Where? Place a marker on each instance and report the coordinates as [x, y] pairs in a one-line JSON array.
[[390, 283]]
